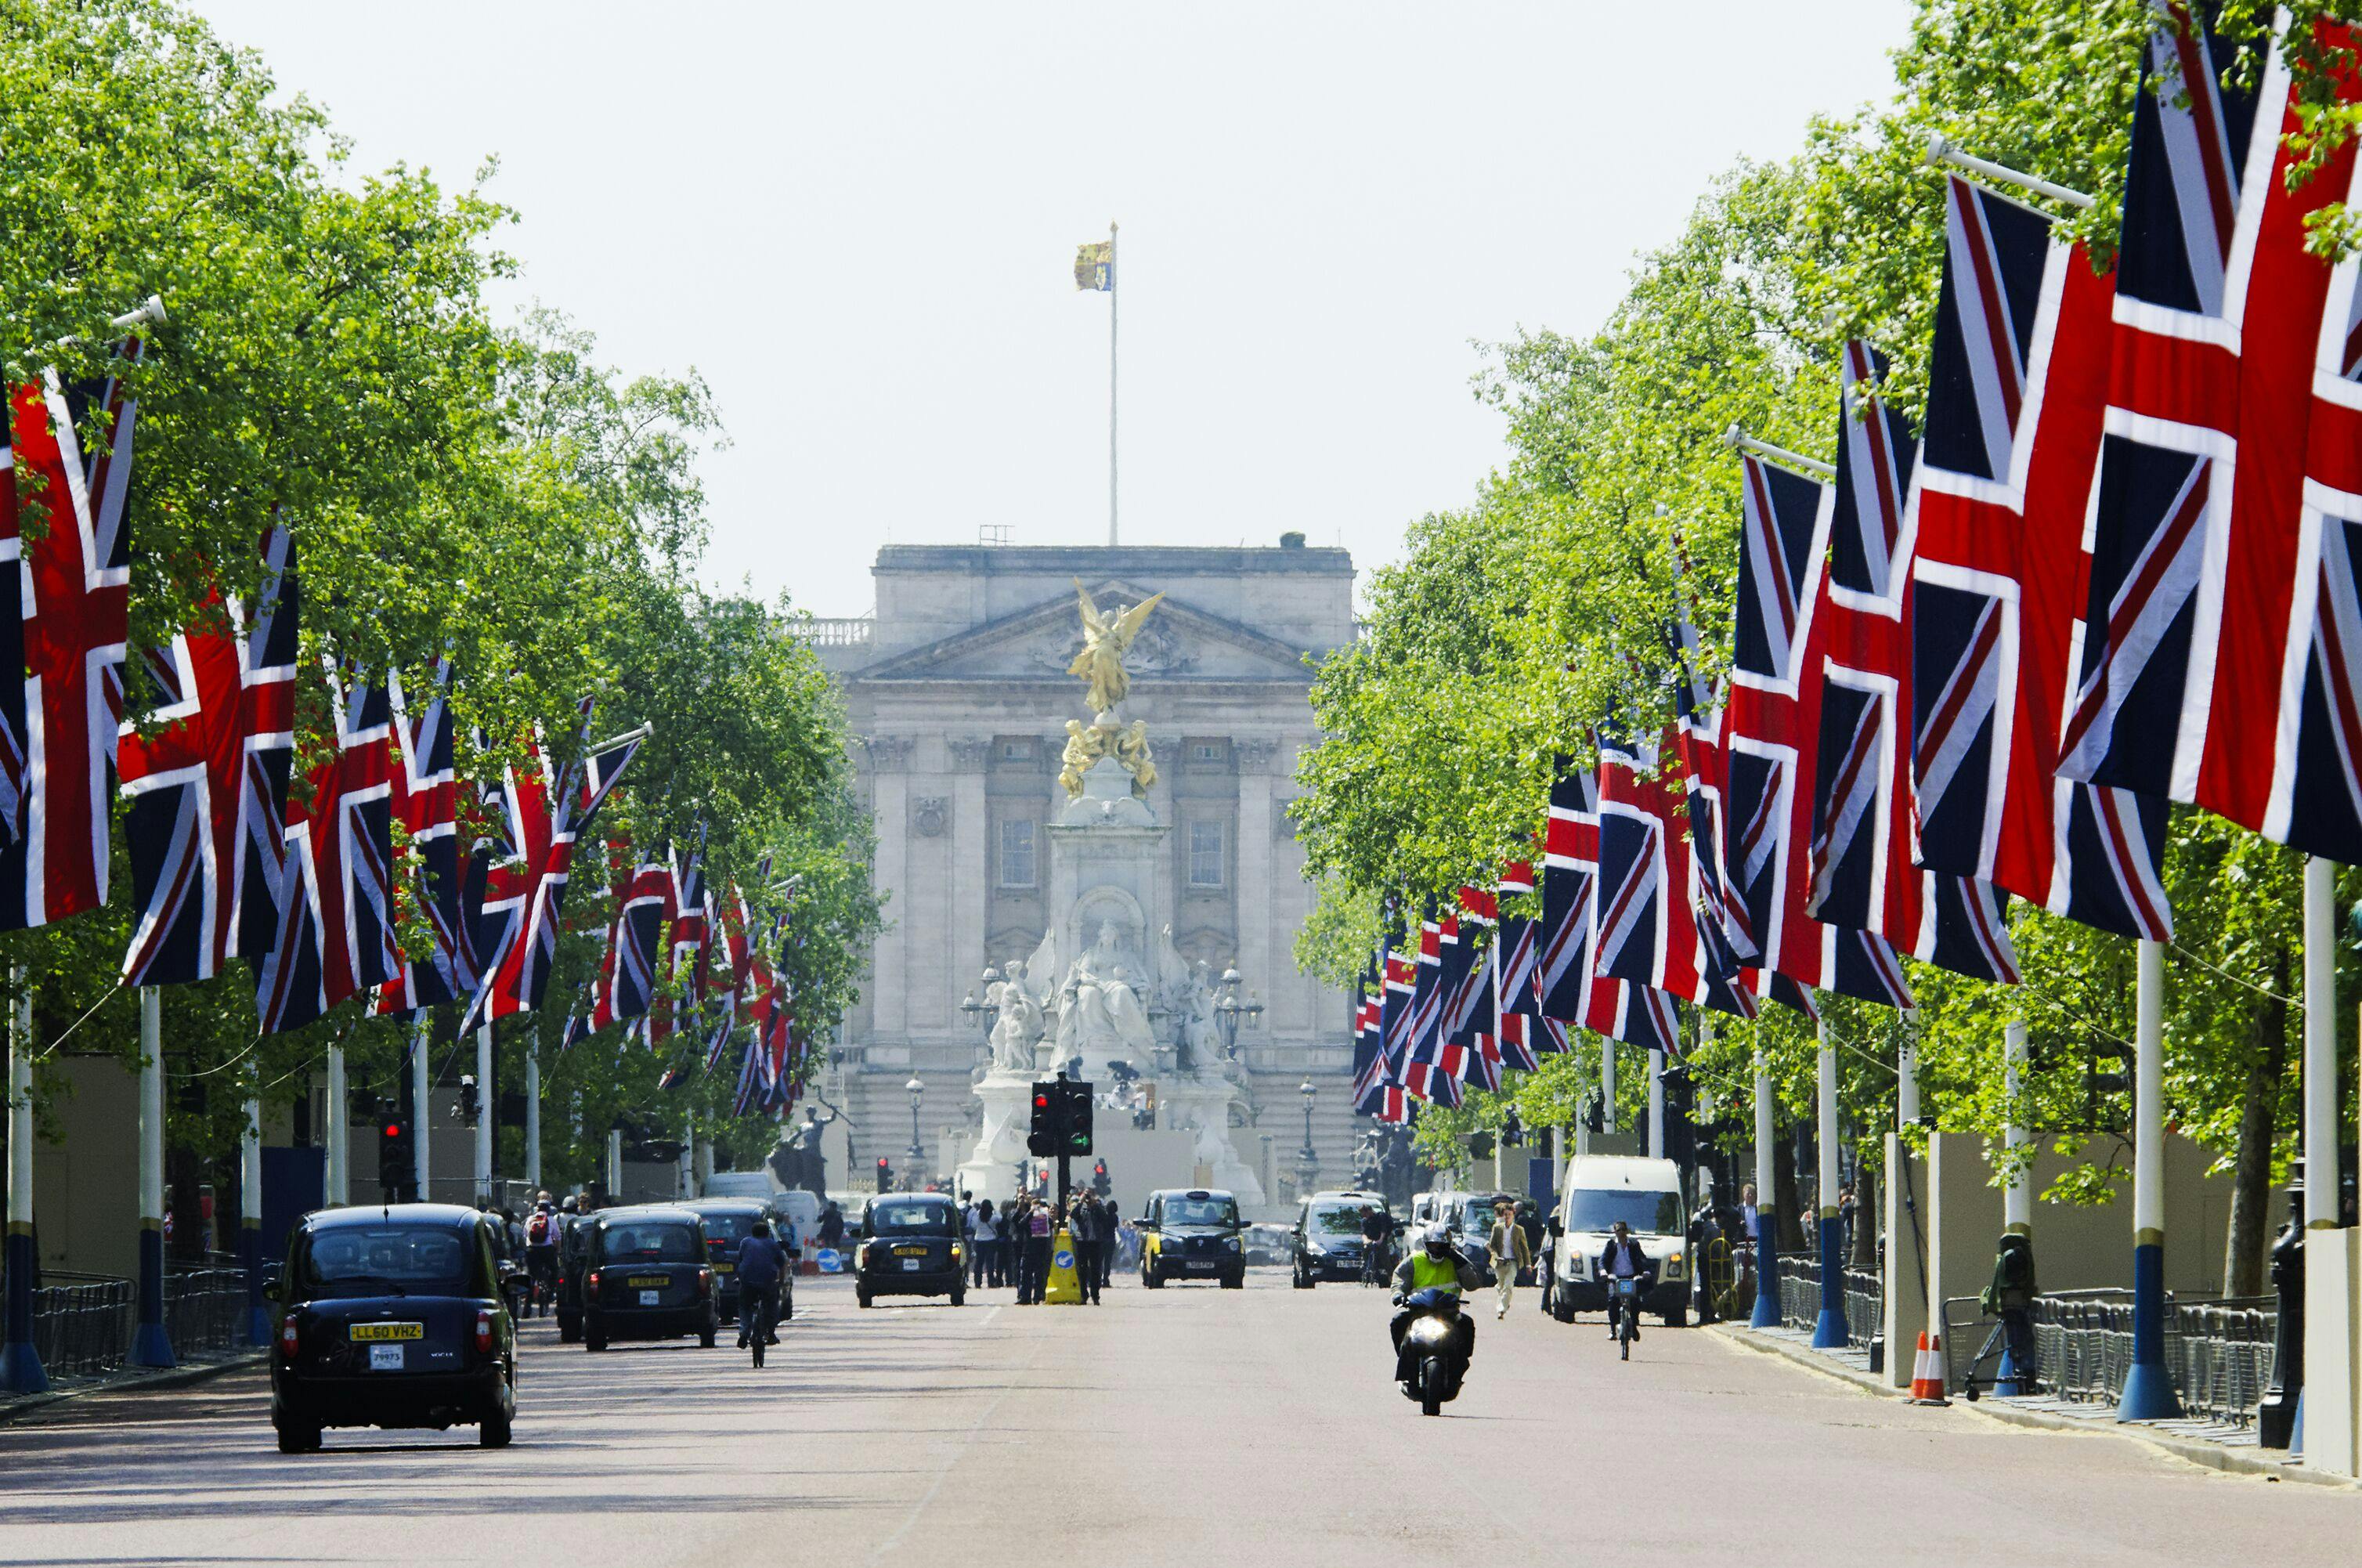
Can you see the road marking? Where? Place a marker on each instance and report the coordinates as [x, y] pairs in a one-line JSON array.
[[989, 1317]]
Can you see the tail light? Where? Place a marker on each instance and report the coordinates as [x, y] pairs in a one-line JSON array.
[[705, 1282], [594, 1279], [483, 1332], [289, 1343]]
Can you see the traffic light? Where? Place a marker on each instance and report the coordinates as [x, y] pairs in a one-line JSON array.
[[397, 1155], [1099, 1182], [1042, 1138], [1074, 1122], [884, 1174], [1681, 1117]]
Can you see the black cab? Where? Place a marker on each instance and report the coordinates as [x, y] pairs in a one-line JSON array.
[[910, 1246], [648, 1277], [728, 1221], [1192, 1233], [573, 1262], [392, 1316]]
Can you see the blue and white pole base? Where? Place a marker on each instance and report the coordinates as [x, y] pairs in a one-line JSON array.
[[2149, 1385], [1830, 1331], [20, 1363], [249, 1258], [150, 1345], [1767, 1273]]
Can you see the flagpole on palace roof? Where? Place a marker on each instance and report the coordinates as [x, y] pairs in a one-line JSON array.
[[1111, 309]]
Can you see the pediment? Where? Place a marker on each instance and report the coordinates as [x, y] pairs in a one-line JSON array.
[[1180, 642]]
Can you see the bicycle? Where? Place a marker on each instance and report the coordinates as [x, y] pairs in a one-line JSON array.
[[759, 1307], [1624, 1300]]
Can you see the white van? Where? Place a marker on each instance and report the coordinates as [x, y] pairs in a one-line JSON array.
[[756, 1185], [1646, 1196]]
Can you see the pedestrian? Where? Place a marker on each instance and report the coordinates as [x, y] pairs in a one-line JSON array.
[[1002, 1274], [832, 1228], [1090, 1238], [1846, 1208], [1510, 1251], [1039, 1222], [979, 1242], [1019, 1216]]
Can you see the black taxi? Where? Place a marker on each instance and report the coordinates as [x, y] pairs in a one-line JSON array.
[[728, 1221], [646, 1277], [910, 1246], [392, 1316], [1192, 1233]]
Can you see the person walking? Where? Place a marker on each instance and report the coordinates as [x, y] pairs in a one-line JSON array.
[[1510, 1253], [1090, 1240], [832, 1228], [979, 1242]]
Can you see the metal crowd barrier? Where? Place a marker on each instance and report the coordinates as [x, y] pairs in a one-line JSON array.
[[2218, 1350], [204, 1304], [1800, 1291], [82, 1322], [1865, 1306]]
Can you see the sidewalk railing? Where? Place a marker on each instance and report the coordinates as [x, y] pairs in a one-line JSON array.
[[82, 1322], [204, 1305], [2218, 1350], [1800, 1299]]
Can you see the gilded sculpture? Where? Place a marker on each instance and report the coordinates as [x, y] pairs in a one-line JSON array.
[[1105, 640]]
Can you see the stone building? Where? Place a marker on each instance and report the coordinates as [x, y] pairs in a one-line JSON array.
[[958, 696]]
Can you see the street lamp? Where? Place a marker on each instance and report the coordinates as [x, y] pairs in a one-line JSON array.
[[1230, 1010], [918, 1155], [983, 1013], [1308, 1159]]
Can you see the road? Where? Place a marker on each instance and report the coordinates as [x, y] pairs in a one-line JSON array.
[[1188, 1426]]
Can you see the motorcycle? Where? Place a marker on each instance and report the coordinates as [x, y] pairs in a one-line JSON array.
[[1430, 1350]]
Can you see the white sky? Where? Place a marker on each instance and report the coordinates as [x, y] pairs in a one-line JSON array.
[[859, 222]]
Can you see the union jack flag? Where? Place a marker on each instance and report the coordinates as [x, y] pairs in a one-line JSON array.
[[577, 1022], [1426, 1073], [1400, 969], [1772, 721], [425, 800], [59, 725], [335, 936], [1647, 929], [628, 988], [2224, 628], [207, 787], [1369, 1057], [1570, 861], [541, 813], [1862, 874], [1636, 1015], [2016, 406]]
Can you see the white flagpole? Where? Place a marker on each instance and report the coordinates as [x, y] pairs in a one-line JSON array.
[[1112, 284]]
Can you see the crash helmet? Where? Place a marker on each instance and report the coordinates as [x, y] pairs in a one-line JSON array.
[[568, 1204], [1438, 1243]]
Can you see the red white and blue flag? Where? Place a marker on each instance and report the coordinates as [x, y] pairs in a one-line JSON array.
[[2016, 409], [425, 800]]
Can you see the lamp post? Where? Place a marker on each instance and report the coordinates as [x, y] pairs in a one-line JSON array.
[[910, 1168], [984, 1013], [1307, 1159], [1228, 1010]]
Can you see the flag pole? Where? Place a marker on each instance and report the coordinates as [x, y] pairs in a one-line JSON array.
[[1112, 282]]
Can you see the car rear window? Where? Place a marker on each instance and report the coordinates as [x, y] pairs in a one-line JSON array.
[[391, 1259], [728, 1227], [928, 1219], [652, 1241]]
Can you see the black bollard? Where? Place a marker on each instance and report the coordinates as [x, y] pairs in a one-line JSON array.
[[2276, 1420]]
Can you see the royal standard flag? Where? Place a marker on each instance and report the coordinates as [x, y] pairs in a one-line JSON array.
[[1095, 266]]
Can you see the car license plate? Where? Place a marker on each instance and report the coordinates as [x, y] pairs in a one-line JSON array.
[[725, 1268], [385, 1358], [362, 1333], [1208, 1265], [644, 1281], [910, 1251], [913, 1263], [648, 1297]]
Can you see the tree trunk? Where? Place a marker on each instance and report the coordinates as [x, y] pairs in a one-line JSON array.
[[1784, 1198], [2259, 1106]]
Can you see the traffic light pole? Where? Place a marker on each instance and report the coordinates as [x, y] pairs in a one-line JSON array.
[[1065, 1177]]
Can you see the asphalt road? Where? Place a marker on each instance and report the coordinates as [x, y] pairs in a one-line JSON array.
[[1188, 1426]]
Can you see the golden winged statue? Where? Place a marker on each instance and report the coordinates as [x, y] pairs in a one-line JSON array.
[[1104, 639]]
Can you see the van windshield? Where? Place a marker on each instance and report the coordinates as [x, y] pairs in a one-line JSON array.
[[1647, 1213]]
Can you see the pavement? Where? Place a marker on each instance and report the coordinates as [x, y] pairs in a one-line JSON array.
[[1189, 1425]]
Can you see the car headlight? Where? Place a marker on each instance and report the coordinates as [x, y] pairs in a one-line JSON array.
[[1316, 1250], [1232, 1241]]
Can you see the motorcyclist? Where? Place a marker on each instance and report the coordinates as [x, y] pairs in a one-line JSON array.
[[762, 1264], [1436, 1263], [1622, 1258]]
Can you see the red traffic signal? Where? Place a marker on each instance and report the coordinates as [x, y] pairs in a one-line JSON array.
[[881, 1162], [393, 1129]]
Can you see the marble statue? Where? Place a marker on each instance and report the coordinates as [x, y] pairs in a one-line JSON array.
[[1105, 638], [1097, 1004], [1020, 1021]]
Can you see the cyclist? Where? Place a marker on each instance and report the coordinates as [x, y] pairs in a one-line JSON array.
[[762, 1264], [1377, 1232], [1622, 1258], [540, 1233]]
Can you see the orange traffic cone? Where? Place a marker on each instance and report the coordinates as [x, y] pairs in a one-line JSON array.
[[1927, 1371]]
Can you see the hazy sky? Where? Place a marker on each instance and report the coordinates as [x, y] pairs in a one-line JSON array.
[[859, 221]]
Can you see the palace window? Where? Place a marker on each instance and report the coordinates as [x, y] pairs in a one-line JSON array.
[[1205, 854], [1017, 853]]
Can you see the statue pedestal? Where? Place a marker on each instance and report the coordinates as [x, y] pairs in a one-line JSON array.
[[990, 1170], [1203, 1106]]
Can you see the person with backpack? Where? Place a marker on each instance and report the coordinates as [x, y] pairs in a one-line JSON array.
[[541, 1236]]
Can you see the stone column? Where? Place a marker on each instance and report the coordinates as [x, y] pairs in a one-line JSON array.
[[1253, 891], [889, 758], [972, 868]]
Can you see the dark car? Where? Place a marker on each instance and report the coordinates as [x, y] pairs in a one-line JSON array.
[[573, 1262], [1329, 1242], [910, 1245], [728, 1221], [1192, 1233], [648, 1277], [392, 1316]]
